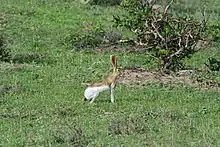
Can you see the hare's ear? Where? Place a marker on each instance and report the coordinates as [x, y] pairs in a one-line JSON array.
[[114, 61]]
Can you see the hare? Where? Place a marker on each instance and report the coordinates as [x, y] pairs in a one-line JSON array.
[[109, 83]]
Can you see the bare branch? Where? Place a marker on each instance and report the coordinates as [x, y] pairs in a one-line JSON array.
[[187, 41], [161, 37], [167, 7], [179, 42], [158, 59]]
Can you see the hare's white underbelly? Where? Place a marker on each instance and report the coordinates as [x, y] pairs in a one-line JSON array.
[[92, 92]]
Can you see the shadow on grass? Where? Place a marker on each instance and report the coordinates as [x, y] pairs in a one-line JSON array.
[[32, 57], [4, 89]]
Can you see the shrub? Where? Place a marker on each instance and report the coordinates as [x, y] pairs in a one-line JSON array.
[[94, 38], [169, 38], [213, 64], [102, 2], [106, 2], [213, 31], [112, 36]]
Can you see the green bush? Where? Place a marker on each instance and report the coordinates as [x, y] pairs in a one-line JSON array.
[[106, 2], [213, 31], [102, 2], [213, 64], [90, 39], [169, 38], [94, 38]]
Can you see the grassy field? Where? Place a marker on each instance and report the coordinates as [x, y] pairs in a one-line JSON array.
[[44, 103]]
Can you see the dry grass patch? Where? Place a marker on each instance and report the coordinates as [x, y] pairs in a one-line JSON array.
[[140, 77]]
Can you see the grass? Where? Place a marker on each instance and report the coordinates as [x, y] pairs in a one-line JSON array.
[[48, 108]]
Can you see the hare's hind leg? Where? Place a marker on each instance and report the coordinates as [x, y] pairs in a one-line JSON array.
[[91, 94], [92, 100], [94, 97]]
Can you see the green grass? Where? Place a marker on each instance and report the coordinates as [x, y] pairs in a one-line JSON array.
[[47, 109]]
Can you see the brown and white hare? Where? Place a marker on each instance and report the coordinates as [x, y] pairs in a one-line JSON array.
[[109, 83]]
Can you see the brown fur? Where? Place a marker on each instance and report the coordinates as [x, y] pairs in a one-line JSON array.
[[107, 81], [111, 78]]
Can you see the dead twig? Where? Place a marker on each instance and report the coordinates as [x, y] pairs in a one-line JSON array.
[[167, 7], [161, 37]]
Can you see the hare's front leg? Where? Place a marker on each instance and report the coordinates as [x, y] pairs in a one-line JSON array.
[[112, 91], [112, 94]]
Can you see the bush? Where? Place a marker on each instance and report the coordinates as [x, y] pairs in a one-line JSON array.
[[94, 37], [106, 2], [213, 64], [90, 39], [102, 2], [169, 38], [213, 31]]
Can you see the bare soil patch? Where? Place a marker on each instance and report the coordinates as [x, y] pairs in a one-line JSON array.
[[140, 77]]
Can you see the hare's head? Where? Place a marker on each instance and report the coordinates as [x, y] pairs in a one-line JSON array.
[[116, 71]]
